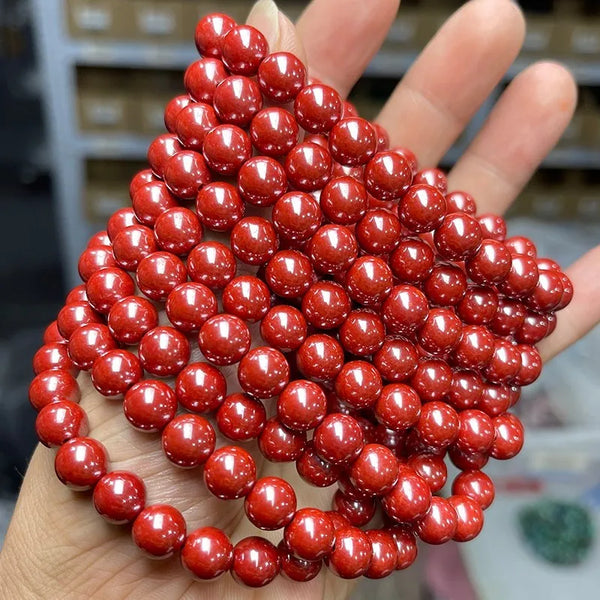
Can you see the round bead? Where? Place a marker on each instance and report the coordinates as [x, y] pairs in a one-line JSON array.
[[431, 468], [188, 440], [352, 141], [119, 220], [461, 202], [398, 407], [60, 421], [236, 100], [438, 425], [253, 240], [548, 292], [438, 525], [406, 546], [494, 400], [80, 463], [378, 232], [302, 405], [422, 208], [296, 216], [224, 339], [344, 200], [189, 305], [478, 306], [241, 417], [88, 343], [351, 554], [310, 534], [332, 249], [261, 181], [273, 131], [159, 530], [164, 351], [207, 553], [476, 432], [195, 120], [432, 379], [326, 305], [208, 36], [409, 499], [71, 317], [201, 79], [522, 277], [509, 437], [122, 220], [284, 328], [387, 176], [441, 331], [446, 285], [362, 333], [281, 76], [490, 264], [465, 391], [150, 200], [434, 178], [247, 297], [52, 334], [530, 365], [469, 518], [405, 310], [173, 108], [384, 557], [271, 503], [149, 405], [314, 470], [212, 264], [132, 244], [55, 385], [185, 173], [226, 148], [369, 280], [505, 362], [263, 372], [219, 206], [492, 227], [412, 261], [289, 274], [106, 287], [94, 259], [130, 318], [458, 236], [476, 485], [358, 384], [158, 273], [116, 371], [230, 472], [308, 166], [280, 444], [297, 569], [317, 108], [375, 471], [243, 48], [320, 357], [160, 150], [177, 230], [510, 318], [255, 562], [475, 348], [338, 438], [119, 497]]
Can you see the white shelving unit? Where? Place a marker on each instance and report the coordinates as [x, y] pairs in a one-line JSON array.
[[59, 55]]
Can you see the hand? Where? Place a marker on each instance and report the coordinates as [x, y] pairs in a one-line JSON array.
[[57, 546]]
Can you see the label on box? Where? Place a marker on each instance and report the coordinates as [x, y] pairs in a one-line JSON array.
[[92, 18], [585, 40], [104, 112], [537, 40], [156, 22], [547, 206]]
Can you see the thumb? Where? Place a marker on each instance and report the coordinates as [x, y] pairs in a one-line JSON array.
[[277, 28]]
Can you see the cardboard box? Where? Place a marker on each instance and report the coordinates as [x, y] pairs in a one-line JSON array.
[[97, 19], [157, 20], [104, 103]]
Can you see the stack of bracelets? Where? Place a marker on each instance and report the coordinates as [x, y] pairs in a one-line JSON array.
[[394, 328]]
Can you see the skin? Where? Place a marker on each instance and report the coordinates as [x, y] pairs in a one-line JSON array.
[[57, 546]]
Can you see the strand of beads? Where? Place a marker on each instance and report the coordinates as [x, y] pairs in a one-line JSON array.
[[396, 327]]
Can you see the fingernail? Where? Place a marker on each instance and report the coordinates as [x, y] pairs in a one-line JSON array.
[[265, 17]]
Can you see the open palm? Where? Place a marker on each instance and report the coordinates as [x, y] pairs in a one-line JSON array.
[[57, 546]]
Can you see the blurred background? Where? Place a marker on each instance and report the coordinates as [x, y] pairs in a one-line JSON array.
[[84, 84]]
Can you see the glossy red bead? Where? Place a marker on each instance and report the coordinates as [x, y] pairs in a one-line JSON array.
[[310, 534], [273, 131], [338, 438], [438, 424], [246, 297], [207, 553], [243, 49], [72, 316], [132, 244], [121, 218], [188, 440], [475, 348], [302, 405], [236, 100], [185, 173], [115, 372], [320, 357], [201, 79], [289, 274], [369, 280], [326, 305], [458, 236], [281, 76], [352, 141], [263, 372], [422, 208], [149, 405], [358, 384], [241, 417], [384, 554], [332, 249], [405, 310], [317, 108], [253, 240], [262, 181], [441, 331], [194, 121], [475, 484], [466, 390], [297, 569], [212, 264], [314, 470], [119, 497], [478, 306], [387, 176], [230, 472], [173, 108], [104, 288], [492, 227], [522, 277], [530, 365], [505, 362], [431, 468], [271, 503], [308, 166], [208, 36], [412, 260], [60, 421], [164, 351], [256, 562], [284, 327], [177, 230], [433, 177], [80, 463], [94, 259], [56, 385], [343, 200], [362, 333], [150, 200], [130, 318], [158, 274], [224, 339], [226, 148], [219, 206], [280, 444], [162, 148], [200, 387], [405, 545], [509, 437], [159, 530], [461, 202], [446, 285], [378, 232], [438, 525], [88, 343], [189, 305], [398, 407], [469, 518], [432, 379], [52, 334], [409, 499], [375, 471], [351, 554]]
